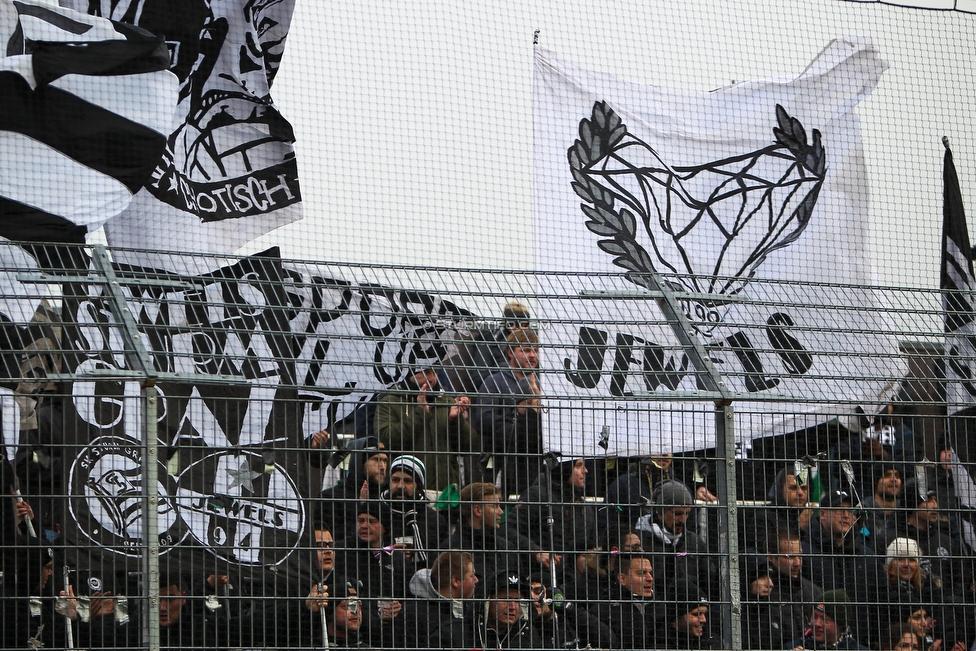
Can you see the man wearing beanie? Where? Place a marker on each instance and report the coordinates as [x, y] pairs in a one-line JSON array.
[[685, 623], [839, 559], [370, 556], [500, 622], [415, 527], [416, 417], [676, 551], [345, 617], [829, 625]]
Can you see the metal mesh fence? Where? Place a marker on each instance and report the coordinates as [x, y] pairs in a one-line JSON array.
[[261, 453]]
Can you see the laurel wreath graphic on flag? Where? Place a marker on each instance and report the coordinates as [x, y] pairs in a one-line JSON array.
[[711, 225]]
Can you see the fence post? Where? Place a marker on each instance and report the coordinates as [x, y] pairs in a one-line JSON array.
[[728, 522], [150, 513], [711, 380], [138, 359]]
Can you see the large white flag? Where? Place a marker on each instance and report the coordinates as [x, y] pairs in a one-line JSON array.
[[229, 173], [763, 180]]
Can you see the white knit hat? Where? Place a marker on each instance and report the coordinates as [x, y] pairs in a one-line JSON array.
[[902, 548], [410, 464]]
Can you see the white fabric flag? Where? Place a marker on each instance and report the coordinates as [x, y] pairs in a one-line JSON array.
[[760, 180], [229, 173]]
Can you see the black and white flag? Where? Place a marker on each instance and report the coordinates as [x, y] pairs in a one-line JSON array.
[[257, 356], [958, 283], [231, 481], [228, 173], [86, 107]]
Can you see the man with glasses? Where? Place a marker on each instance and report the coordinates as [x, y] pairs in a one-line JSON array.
[[323, 565]]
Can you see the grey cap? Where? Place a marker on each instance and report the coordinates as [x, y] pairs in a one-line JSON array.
[[672, 493]]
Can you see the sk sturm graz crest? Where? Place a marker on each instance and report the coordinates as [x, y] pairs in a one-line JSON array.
[[107, 494], [712, 224]]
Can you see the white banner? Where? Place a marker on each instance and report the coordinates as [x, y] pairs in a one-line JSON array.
[[763, 180]]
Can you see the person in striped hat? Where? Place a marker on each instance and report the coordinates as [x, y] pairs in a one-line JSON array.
[[416, 528]]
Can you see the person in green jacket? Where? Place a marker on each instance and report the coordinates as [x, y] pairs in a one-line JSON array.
[[416, 417]]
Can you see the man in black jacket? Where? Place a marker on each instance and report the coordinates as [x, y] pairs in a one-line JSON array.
[[839, 558], [628, 609], [365, 481], [440, 595], [792, 593], [492, 549]]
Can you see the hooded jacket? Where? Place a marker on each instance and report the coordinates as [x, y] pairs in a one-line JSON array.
[[574, 521], [427, 616]]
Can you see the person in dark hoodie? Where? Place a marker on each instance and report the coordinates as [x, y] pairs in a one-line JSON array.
[[788, 507], [181, 625], [761, 626], [574, 521], [28, 616], [302, 618], [828, 627], [415, 526], [839, 558], [441, 595], [368, 463]]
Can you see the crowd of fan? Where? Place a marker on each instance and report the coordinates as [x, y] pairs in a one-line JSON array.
[[398, 560]]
